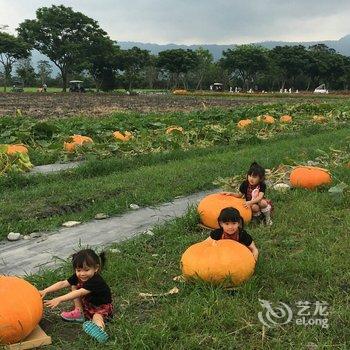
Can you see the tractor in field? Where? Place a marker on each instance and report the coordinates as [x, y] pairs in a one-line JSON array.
[[76, 86]]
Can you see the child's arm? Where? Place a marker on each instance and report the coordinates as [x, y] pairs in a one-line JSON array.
[[54, 288], [237, 195], [66, 297], [255, 200], [252, 247]]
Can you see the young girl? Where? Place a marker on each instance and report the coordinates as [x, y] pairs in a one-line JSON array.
[[231, 227], [89, 292], [253, 189]]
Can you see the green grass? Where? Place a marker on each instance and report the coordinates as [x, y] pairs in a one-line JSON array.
[[303, 257], [45, 202], [31, 89]]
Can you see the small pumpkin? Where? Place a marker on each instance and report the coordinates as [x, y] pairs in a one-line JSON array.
[[21, 309], [209, 208], [69, 146], [122, 137], [267, 119], [13, 149], [76, 140], [244, 123], [171, 129], [319, 119], [218, 261], [180, 92], [309, 177], [286, 119], [79, 140]]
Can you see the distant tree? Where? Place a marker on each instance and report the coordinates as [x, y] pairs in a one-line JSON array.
[[245, 62], [134, 61], [327, 66], [44, 71], [63, 35], [177, 62], [151, 71], [290, 61], [205, 60], [11, 50], [103, 59], [26, 72]]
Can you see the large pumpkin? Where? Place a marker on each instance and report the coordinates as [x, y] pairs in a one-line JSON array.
[[309, 177], [210, 207], [21, 309], [218, 261]]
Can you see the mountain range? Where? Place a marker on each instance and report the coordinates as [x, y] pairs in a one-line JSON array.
[[342, 46]]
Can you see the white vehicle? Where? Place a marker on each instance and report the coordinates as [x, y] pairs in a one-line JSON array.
[[321, 89]]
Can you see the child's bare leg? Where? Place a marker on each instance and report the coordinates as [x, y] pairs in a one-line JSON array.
[[77, 301], [263, 204], [266, 210], [256, 210], [98, 320]]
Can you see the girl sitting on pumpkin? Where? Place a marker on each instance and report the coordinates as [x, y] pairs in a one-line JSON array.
[[253, 189], [231, 227], [89, 292]]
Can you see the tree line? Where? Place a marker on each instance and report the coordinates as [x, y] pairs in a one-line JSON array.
[[78, 47]]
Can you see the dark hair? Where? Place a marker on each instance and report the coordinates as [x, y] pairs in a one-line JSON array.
[[230, 214], [256, 170], [87, 257]]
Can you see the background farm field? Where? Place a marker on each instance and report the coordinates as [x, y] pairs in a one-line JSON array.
[[201, 128]]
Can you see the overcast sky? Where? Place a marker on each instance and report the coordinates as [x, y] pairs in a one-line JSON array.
[[202, 21]]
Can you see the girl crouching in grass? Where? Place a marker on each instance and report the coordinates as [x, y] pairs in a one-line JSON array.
[[90, 294]]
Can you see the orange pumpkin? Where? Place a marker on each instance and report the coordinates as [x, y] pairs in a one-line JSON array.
[[244, 123], [69, 146], [76, 140], [171, 129], [309, 177], [13, 149], [285, 119], [21, 309], [267, 119], [217, 261], [319, 119], [180, 92], [79, 140], [122, 137], [209, 208]]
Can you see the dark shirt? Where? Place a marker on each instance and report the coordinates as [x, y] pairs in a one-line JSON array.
[[243, 237], [246, 189], [100, 293]]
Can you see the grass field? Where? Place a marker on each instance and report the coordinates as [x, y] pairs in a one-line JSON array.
[[304, 256]]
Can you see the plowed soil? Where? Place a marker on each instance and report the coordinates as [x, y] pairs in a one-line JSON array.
[[46, 105]]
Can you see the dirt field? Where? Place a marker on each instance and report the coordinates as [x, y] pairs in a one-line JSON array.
[[47, 105]]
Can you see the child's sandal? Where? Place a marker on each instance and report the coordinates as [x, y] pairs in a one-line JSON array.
[[95, 331]]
